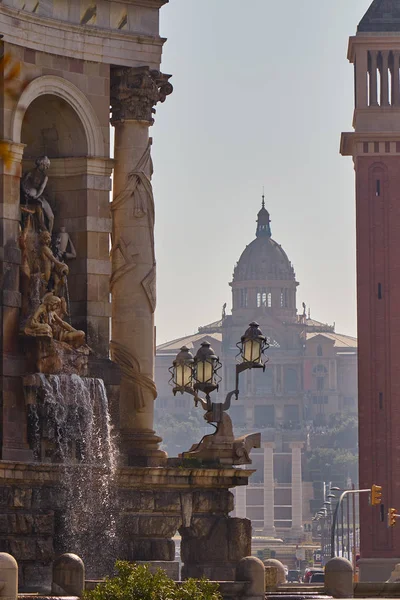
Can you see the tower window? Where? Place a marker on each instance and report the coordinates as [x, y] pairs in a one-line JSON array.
[[284, 298], [378, 187], [262, 298], [319, 351], [269, 300], [243, 298], [320, 383]]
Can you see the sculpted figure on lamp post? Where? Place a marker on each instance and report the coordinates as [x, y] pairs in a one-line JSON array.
[[32, 186]]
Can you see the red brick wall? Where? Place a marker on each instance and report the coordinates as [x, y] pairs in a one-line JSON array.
[[378, 273]]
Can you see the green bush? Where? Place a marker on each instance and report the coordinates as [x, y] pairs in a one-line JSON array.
[[135, 582]]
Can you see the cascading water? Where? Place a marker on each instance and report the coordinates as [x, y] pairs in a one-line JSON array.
[[70, 424]]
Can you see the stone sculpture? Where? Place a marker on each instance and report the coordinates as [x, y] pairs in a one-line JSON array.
[[54, 273], [222, 446], [32, 187], [47, 321], [52, 345], [63, 247]]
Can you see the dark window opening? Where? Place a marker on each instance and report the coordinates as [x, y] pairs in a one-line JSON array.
[[378, 187], [379, 291]]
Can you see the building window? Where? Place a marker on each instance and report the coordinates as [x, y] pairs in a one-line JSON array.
[[269, 300], [263, 381], [262, 297], [319, 351], [320, 383], [291, 380], [264, 416], [243, 298], [162, 403], [320, 399], [291, 415], [284, 298]]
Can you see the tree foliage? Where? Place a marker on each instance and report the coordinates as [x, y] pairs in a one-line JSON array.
[[180, 432], [136, 582]]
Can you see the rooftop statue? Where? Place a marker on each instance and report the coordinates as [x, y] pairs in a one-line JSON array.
[[32, 187]]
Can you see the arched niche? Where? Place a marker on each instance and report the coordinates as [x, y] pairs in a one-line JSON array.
[[52, 127], [56, 119], [65, 90]]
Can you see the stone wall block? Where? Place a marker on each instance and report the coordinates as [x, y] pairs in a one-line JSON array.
[[129, 525], [167, 501], [239, 538], [3, 524], [221, 501], [151, 549], [21, 498], [49, 498], [209, 548], [20, 524], [44, 524], [23, 548], [158, 526], [44, 550], [5, 494], [200, 526], [134, 499]]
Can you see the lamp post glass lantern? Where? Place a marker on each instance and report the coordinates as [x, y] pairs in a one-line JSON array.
[[252, 346], [206, 366], [182, 371], [200, 373]]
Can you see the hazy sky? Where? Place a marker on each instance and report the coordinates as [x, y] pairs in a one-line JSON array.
[[262, 92]]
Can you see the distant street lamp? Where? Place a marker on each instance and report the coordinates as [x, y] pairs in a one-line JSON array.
[[200, 373]]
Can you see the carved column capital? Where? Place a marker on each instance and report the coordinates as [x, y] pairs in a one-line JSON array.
[[135, 91]]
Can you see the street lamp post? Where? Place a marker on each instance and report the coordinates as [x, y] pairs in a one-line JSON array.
[[194, 374]]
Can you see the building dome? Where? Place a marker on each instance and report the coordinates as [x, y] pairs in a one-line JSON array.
[[263, 259]]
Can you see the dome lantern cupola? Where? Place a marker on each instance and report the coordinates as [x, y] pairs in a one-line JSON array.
[[263, 221]]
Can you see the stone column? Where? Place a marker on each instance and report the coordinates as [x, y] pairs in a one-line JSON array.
[[385, 78], [297, 489], [269, 489], [396, 79], [134, 93], [361, 70], [14, 412], [373, 79]]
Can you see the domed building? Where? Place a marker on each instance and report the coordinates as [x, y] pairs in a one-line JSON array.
[[311, 374]]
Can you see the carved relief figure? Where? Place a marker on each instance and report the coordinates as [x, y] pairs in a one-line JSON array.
[[63, 248], [50, 267], [46, 321], [32, 186]]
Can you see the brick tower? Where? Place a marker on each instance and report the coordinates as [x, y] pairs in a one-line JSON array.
[[375, 148]]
